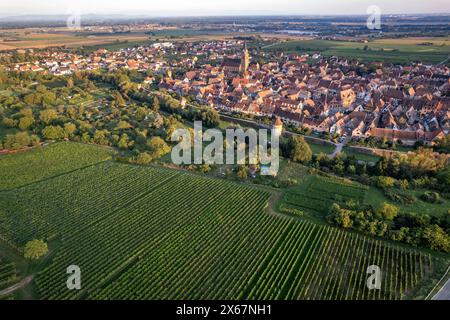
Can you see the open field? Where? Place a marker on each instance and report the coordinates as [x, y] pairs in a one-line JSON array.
[[155, 233], [384, 50], [11, 39], [321, 148], [375, 196], [361, 156], [26, 38]]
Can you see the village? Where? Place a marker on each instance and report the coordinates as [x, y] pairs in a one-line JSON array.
[[341, 97]]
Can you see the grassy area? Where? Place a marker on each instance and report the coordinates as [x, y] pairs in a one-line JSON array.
[[375, 197], [361, 156], [321, 148], [43, 162], [385, 50], [314, 196]]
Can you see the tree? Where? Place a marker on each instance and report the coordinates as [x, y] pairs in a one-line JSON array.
[[35, 249], [444, 178], [69, 129], [144, 158], [339, 216], [48, 115], [387, 211], [53, 133], [26, 122], [69, 83], [385, 182], [8, 122], [299, 150], [16, 141], [437, 238], [156, 104], [141, 113], [123, 142], [101, 137], [158, 147], [242, 173]]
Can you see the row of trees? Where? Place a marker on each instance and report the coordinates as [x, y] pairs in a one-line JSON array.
[[386, 221]]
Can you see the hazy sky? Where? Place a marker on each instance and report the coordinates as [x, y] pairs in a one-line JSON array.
[[220, 7]]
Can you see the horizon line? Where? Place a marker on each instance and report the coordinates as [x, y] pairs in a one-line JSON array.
[[229, 14]]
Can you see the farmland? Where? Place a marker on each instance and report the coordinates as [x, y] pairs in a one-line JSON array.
[[7, 274], [315, 195], [155, 233], [20, 169], [385, 50]]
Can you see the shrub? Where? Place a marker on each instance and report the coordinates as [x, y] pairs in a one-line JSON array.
[[431, 197], [385, 182], [399, 196]]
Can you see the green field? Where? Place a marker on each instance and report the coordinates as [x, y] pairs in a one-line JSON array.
[[375, 196], [20, 169], [321, 148], [315, 195], [154, 233], [384, 50], [361, 156]]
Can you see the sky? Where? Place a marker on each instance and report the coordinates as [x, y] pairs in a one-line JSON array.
[[219, 7]]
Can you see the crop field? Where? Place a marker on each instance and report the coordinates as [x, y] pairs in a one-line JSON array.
[[23, 168], [155, 233], [385, 50], [316, 194], [7, 274], [72, 201]]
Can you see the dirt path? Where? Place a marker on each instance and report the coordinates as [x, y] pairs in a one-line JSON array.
[[22, 283]]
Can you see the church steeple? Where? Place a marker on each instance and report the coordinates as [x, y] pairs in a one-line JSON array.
[[245, 60]]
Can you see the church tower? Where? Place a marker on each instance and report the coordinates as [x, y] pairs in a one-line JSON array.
[[245, 60]]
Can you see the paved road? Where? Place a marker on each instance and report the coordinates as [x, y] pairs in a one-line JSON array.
[[444, 293], [22, 283]]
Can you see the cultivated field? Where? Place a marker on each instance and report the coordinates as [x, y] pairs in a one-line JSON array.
[[155, 233], [316, 194], [7, 274], [429, 50], [19, 169]]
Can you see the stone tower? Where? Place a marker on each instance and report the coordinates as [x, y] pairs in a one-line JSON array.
[[278, 127]]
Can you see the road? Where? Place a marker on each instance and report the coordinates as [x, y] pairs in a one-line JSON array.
[[22, 283], [444, 293]]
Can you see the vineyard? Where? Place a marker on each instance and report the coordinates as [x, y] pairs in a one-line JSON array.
[[73, 201], [7, 274], [155, 233], [316, 195], [43, 162]]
